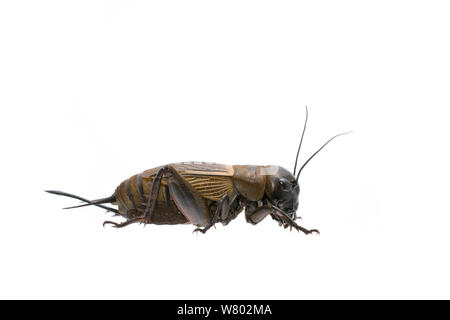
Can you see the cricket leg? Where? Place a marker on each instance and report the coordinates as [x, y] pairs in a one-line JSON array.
[[153, 196], [188, 201], [223, 207], [124, 224], [288, 222], [254, 214]]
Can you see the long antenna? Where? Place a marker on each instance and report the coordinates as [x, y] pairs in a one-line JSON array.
[[340, 134], [301, 140]]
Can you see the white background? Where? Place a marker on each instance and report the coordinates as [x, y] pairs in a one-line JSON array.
[[92, 92]]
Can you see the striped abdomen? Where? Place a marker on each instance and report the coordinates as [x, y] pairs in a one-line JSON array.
[[211, 181], [132, 194]]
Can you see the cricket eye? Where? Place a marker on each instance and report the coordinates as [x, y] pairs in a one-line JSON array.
[[285, 185]]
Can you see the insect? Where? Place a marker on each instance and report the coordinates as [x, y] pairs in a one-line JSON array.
[[204, 194]]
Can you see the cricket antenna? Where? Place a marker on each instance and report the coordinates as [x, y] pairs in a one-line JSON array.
[[340, 134], [301, 140]]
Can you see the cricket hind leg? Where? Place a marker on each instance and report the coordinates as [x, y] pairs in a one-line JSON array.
[[124, 224], [153, 196], [145, 214], [186, 199], [131, 216]]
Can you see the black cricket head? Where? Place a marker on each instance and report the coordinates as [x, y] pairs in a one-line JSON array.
[[283, 190], [282, 186]]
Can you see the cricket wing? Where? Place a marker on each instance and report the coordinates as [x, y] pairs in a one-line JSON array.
[[211, 180]]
